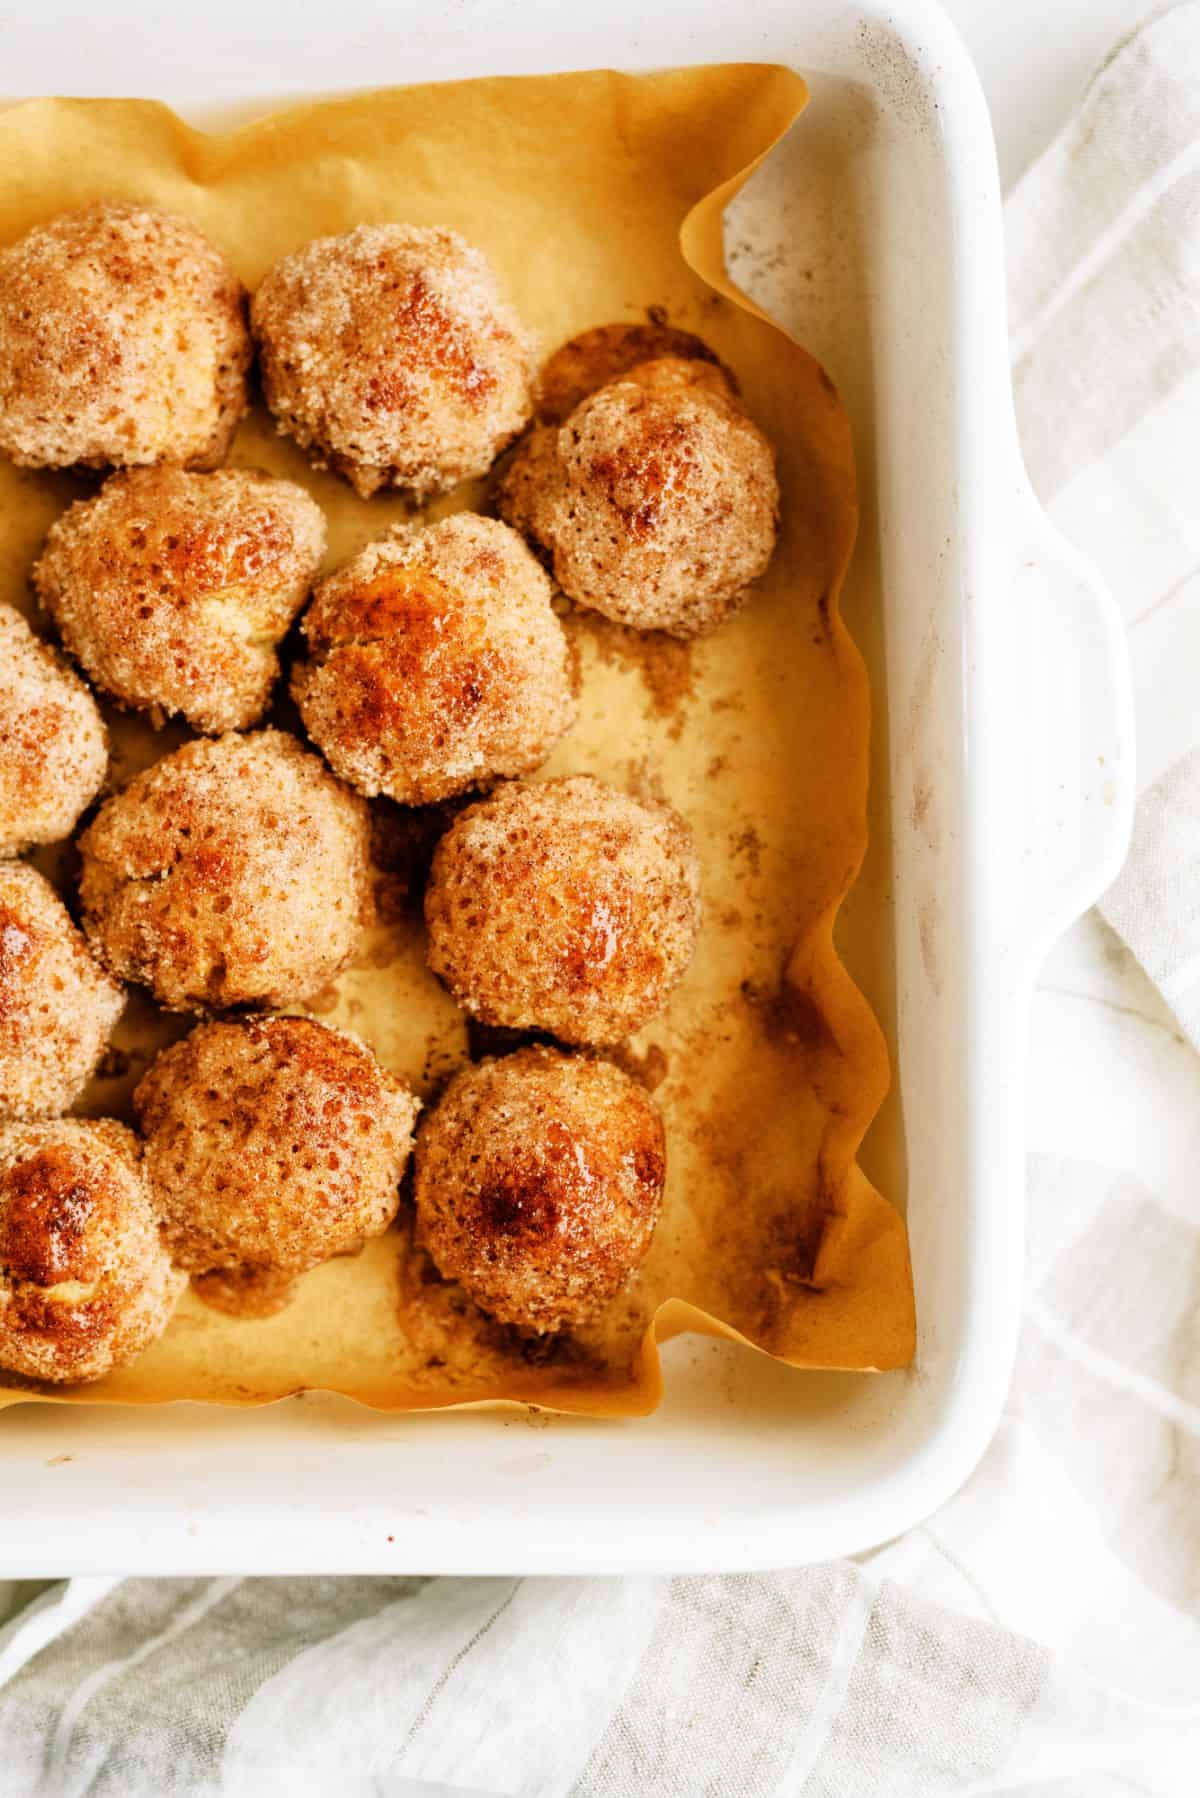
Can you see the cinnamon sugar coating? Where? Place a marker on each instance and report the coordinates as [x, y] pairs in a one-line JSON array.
[[53, 744], [656, 501], [538, 1185], [57, 1004], [123, 340], [392, 355], [563, 906], [272, 1144], [437, 663], [85, 1283], [173, 590], [233, 872]]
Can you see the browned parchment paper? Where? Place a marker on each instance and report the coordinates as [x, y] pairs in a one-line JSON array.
[[598, 197]]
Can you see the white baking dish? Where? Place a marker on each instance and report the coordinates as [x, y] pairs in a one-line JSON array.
[[1003, 797]]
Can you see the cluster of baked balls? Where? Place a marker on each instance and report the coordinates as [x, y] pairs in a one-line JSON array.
[[231, 878]]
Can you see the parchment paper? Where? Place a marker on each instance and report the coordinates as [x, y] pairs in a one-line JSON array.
[[598, 197]]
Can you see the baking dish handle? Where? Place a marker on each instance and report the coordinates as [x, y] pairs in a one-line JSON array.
[[1075, 790]]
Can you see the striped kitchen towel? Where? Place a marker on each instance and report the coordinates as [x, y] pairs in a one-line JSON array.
[[1105, 312], [1041, 1634]]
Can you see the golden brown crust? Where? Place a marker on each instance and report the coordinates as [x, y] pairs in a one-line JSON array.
[[122, 340], [57, 1005], [172, 590], [606, 352], [437, 662], [392, 354], [53, 744], [538, 1185], [233, 872], [656, 501], [563, 906], [85, 1283], [271, 1145]]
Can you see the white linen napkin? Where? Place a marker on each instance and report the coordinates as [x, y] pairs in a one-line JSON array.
[[1104, 294], [1041, 1634]]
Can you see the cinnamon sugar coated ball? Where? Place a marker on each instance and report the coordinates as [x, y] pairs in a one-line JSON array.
[[437, 662], [122, 340], [563, 906], [53, 745], [233, 872], [85, 1283], [173, 590], [392, 354], [656, 501], [271, 1145], [538, 1185], [57, 1005]]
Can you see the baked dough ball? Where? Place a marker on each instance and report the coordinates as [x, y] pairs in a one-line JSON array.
[[530, 491], [173, 590], [437, 662], [122, 340], [656, 501], [538, 1185], [563, 906], [233, 872], [85, 1283], [53, 745], [271, 1145], [57, 1005], [392, 354]]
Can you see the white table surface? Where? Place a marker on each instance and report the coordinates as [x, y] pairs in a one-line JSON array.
[[1034, 58]]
